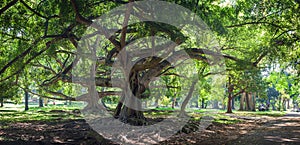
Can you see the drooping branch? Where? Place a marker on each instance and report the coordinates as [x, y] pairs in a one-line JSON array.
[[32, 10]]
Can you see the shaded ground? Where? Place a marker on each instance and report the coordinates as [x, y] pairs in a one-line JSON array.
[[253, 130], [282, 130]]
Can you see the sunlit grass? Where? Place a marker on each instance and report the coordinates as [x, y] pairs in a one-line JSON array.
[[261, 113], [38, 114]]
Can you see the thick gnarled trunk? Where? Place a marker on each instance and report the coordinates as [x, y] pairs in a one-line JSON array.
[[129, 109]]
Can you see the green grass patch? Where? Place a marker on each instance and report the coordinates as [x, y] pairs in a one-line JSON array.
[[39, 114]]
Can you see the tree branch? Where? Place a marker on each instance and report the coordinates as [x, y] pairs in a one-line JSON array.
[[10, 4]]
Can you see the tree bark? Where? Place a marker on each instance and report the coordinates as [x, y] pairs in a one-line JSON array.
[[133, 115], [247, 102], [230, 91], [250, 97], [254, 102], [242, 101], [229, 109]]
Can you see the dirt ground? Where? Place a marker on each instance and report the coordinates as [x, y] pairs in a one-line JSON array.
[[253, 130]]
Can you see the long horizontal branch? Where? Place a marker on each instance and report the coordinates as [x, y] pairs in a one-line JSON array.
[[44, 96]]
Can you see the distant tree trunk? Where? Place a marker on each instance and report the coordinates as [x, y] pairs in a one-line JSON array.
[[230, 91], [247, 102], [232, 102], [288, 104], [250, 101], [41, 104], [1, 102], [216, 104], [197, 101], [254, 102], [229, 103], [188, 97], [279, 103], [173, 102], [26, 100], [202, 103], [242, 101], [156, 102], [284, 104], [273, 106]]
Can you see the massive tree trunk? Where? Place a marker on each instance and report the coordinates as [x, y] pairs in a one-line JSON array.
[[131, 109], [26, 100], [187, 99]]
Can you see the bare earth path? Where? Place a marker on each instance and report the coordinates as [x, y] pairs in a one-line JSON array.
[[252, 131], [281, 130]]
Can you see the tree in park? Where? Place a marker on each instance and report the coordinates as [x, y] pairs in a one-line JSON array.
[[46, 45], [44, 35]]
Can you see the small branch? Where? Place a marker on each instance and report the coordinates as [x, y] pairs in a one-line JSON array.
[[35, 12]]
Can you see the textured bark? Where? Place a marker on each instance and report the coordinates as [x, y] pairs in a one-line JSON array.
[[133, 115], [230, 96], [250, 97], [229, 107], [247, 102]]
